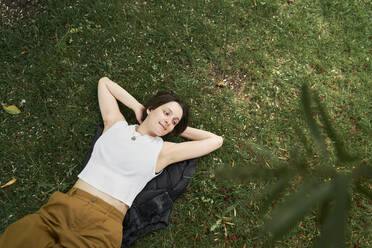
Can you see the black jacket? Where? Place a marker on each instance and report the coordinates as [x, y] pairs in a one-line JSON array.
[[152, 207]]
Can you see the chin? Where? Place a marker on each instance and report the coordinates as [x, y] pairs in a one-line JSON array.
[[163, 134], [160, 134]]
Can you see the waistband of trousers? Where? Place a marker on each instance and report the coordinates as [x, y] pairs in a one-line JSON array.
[[100, 204]]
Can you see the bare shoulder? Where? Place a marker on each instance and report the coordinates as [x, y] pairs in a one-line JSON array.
[[109, 123]]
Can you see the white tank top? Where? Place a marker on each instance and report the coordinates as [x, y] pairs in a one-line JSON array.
[[121, 165]]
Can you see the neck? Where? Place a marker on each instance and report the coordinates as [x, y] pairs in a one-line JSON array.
[[142, 130]]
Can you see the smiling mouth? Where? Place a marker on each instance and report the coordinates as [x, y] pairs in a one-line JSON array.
[[162, 126]]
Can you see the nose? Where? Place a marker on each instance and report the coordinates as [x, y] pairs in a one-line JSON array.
[[168, 121]]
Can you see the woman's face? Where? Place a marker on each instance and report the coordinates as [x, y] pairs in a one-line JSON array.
[[164, 118]]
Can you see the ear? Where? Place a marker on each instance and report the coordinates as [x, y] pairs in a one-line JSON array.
[[148, 111]]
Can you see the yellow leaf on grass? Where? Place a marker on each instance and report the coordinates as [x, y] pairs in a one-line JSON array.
[[13, 180], [24, 50], [221, 84], [73, 30], [11, 109]]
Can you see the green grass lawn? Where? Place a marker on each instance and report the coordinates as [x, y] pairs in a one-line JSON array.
[[239, 64]]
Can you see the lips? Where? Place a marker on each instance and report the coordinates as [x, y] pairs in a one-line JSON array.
[[162, 126]]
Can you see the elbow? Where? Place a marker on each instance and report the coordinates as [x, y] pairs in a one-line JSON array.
[[219, 141], [103, 80]]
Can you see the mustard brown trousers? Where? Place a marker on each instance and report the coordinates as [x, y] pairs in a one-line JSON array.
[[73, 219]]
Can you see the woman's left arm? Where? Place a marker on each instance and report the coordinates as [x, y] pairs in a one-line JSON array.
[[202, 142]]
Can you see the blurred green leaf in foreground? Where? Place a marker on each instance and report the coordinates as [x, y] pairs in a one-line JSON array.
[[322, 188]]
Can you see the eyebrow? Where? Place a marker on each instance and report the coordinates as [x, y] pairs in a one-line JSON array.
[[172, 113]]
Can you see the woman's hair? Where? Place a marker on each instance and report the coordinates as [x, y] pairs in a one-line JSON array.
[[163, 97]]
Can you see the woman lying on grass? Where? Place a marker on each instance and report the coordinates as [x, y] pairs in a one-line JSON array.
[[124, 159]]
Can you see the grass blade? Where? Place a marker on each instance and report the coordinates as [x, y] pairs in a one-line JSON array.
[[364, 191]]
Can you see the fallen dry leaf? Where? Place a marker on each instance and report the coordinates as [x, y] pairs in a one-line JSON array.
[[24, 50], [13, 180], [73, 31], [221, 84], [11, 109]]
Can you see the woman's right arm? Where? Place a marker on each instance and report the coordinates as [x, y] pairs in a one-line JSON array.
[[202, 142], [108, 94]]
